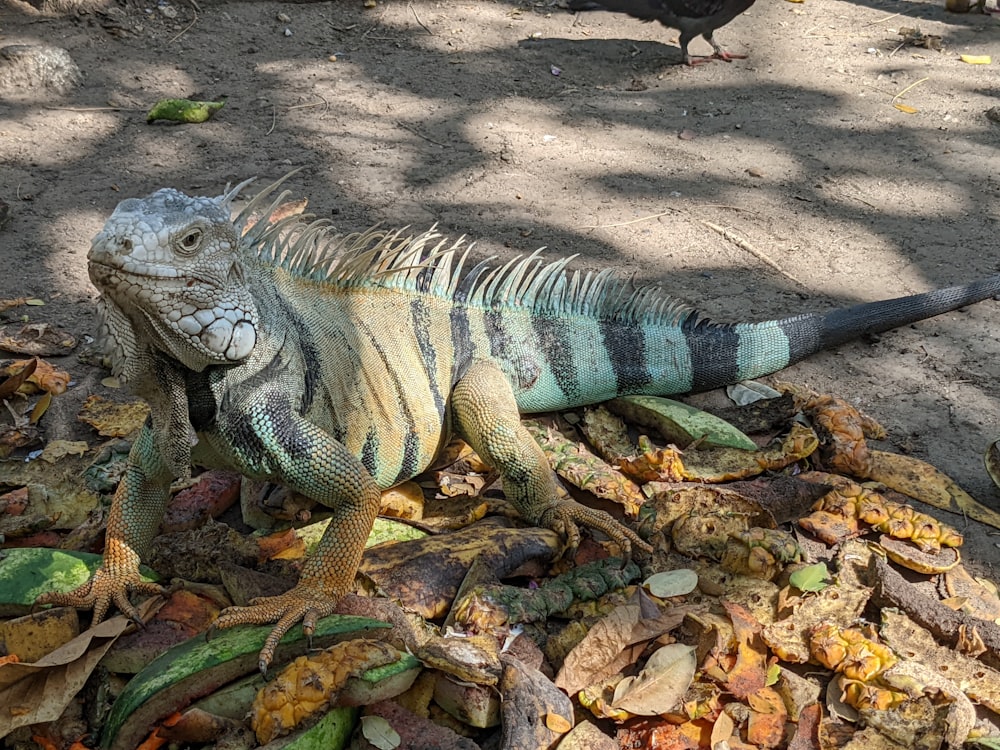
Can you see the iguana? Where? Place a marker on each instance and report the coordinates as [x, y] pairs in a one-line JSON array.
[[338, 366]]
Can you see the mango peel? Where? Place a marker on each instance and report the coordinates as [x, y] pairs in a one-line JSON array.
[[183, 110]]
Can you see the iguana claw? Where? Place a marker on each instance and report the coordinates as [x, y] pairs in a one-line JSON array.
[[100, 592], [564, 516], [303, 603]]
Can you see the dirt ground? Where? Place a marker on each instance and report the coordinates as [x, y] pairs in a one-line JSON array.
[[523, 125]]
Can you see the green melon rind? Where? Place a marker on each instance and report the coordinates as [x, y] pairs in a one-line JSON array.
[[680, 423], [198, 666], [28, 572], [332, 732]]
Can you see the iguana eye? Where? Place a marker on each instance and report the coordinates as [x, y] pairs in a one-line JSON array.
[[190, 241]]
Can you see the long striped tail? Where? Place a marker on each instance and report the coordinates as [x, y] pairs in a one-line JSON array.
[[764, 348]]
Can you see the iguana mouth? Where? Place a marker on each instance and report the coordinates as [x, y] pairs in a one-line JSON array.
[[145, 271]]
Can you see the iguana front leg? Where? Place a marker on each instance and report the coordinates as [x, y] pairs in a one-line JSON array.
[[308, 460], [487, 417], [136, 512]]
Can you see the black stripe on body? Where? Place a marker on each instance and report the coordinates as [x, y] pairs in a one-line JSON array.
[[804, 334], [461, 342], [201, 400], [523, 370], [553, 341], [626, 347], [420, 322], [247, 444], [369, 451], [286, 428], [409, 461], [311, 362], [254, 433], [410, 465], [714, 353], [501, 344]]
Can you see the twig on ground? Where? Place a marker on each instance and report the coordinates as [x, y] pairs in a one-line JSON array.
[[912, 85], [322, 103], [422, 25], [183, 31], [626, 223], [887, 18], [92, 109], [744, 245], [417, 133]]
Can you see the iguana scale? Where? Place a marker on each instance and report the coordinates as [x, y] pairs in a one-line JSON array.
[[339, 365]]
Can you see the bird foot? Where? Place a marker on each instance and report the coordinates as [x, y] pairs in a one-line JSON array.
[[718, 55]]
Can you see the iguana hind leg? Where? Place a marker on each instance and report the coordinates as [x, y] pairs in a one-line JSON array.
[[486, 416]]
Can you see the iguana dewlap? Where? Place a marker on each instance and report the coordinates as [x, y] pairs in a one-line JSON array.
[[338, 366]]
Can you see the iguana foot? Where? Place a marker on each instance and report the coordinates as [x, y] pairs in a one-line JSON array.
[[303, 603], [565, 515], [107, 587]]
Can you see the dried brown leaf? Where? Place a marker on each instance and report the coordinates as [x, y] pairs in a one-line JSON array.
[[40, 691], [589, 661], [112, 418], [661, 684]]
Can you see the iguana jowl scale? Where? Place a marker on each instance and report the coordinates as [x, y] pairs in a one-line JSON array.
[[338, 366]]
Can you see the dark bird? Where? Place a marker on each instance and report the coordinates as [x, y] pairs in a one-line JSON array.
[[690, 17]]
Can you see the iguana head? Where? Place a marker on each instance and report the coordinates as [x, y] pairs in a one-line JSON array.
[[171, 264]]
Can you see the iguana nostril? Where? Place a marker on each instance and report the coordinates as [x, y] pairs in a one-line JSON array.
[[126, 245]]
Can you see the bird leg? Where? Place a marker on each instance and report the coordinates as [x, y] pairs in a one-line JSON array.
[[721, 54]]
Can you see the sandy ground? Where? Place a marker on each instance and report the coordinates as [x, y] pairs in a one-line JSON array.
[[523, 125]]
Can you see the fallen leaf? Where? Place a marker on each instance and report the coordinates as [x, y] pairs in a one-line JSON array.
[[672, 583], [44, 376], [992, 460], [766, 725], [58, 449], [16, 376], [40, 691], [811, 578], [905, 108], [36, 340], [310, 683], [661, 683], [589, 661], [749, 674], [379, 732], [976, 59], [112, 418], [40, 407]]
